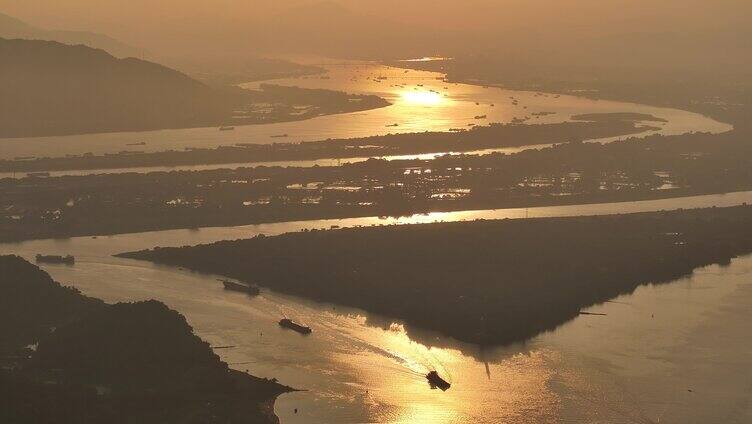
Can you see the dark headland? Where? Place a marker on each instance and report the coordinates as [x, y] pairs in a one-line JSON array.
[[485, 282], [50, 89], [66, 358]]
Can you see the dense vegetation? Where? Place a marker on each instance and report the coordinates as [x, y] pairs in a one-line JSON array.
[[122, 363], [486, 282], [571, 173]]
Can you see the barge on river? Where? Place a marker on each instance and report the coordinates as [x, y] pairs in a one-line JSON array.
[[288, 323], [242, 288], [437, 382]]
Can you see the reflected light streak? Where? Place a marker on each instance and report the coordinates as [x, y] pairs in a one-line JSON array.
[[422, 98], [517, 391]]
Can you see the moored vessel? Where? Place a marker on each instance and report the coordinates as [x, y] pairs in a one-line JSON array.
[[288, 323], [242, 288], [437, 382]]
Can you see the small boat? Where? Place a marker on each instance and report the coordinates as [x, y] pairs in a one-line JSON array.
[[242, 288], [437, 382], [38, 174], [392, 125], [56, 259], [140, 143], [288, 323], [280, 136], [481, 116], [226, 128]]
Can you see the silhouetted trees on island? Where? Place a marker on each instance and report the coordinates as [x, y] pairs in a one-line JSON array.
[[485, 282], [571, 173]]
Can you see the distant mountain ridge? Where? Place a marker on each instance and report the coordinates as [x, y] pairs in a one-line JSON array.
[[49, 88], [12, 28]]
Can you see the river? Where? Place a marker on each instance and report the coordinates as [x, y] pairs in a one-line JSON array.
[[677, 352], [421, 101]]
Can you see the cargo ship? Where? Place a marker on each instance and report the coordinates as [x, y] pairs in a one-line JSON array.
[[56, 259], [242, 288], [437, 382], [288, 323]]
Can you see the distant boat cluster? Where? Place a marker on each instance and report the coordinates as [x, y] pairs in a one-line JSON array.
[[433, 377], [56, 259], [254, 291]]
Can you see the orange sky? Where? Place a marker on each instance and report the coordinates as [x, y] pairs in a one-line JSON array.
[[172, 25], [98, 14]]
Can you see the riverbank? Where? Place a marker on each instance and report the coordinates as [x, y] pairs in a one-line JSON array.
[[494, 136], [138, 362], [369, 355], [654, 167], [484, 282]]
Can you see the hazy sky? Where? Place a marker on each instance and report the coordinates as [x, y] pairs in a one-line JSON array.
[[203, 25], [457, 13]]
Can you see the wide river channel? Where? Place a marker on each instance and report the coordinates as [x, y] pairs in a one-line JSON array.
[[669, 353], [421, 101]]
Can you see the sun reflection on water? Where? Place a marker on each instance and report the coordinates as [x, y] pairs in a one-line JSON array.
[[422, 98], [513, 383]]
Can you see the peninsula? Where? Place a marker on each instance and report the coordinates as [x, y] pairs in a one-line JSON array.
[[68, 358]]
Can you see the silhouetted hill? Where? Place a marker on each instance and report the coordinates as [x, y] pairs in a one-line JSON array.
[[123, 363], [48, 88], [31, 303], [11, 27]]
